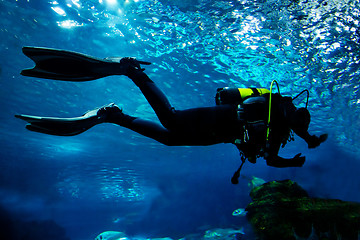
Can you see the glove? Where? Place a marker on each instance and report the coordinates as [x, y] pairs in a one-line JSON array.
[[315, 141], [131, 64], [298, 160]]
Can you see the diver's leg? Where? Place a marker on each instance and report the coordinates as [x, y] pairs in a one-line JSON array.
[[163, 135], [151, 130], [191, 127], [156, 98], [200, 120], [207, 125], [113, 114]]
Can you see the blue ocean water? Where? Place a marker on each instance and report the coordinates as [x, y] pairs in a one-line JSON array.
[[110, 178]]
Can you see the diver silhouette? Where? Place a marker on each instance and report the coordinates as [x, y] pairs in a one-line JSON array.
[[257, 121]]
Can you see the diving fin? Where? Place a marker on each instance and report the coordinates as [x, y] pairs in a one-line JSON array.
[[61, 126], [72, 66]]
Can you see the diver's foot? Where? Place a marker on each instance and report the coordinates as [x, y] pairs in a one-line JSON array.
[[109, 112], [132, 64]]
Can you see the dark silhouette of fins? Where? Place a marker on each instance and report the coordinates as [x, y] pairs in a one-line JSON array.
[[71, 66], [61, 126]]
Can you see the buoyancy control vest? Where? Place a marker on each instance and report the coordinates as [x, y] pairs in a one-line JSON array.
[[252, 112], [254, 124], [237, 95]]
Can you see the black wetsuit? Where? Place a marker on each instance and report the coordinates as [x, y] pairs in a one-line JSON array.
[[213, 125], [190, 127]]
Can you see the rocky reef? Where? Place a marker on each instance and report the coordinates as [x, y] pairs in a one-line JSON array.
[[283, 210], [15, 229]]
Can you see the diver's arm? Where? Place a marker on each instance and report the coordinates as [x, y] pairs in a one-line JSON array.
[[312, 140], [273, 159], [276, 161], [135, 72]]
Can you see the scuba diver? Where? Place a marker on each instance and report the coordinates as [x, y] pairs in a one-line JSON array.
[[255, 120]]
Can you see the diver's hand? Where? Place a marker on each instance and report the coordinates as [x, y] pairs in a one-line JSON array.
[[298, 160], [131, 64], [315, 141], [276, 161]]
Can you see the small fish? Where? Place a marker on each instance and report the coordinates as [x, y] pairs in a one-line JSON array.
[[255, 182], [117, 220], [112, 235], [240, 212]]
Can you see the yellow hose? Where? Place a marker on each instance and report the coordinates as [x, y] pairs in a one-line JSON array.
[[268, 123]]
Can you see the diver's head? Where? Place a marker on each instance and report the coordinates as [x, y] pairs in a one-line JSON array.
[[300, 120]]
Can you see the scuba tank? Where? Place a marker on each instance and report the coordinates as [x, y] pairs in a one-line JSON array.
[[237, 95]]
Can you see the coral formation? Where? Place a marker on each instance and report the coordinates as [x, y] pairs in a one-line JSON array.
[[283, 210], [17, 229]]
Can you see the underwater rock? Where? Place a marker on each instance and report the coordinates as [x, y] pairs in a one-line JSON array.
[[283, 210], [6, 224], [12, 228], [40, 230]]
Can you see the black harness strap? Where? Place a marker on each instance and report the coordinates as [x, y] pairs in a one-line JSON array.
[[255, 92]]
